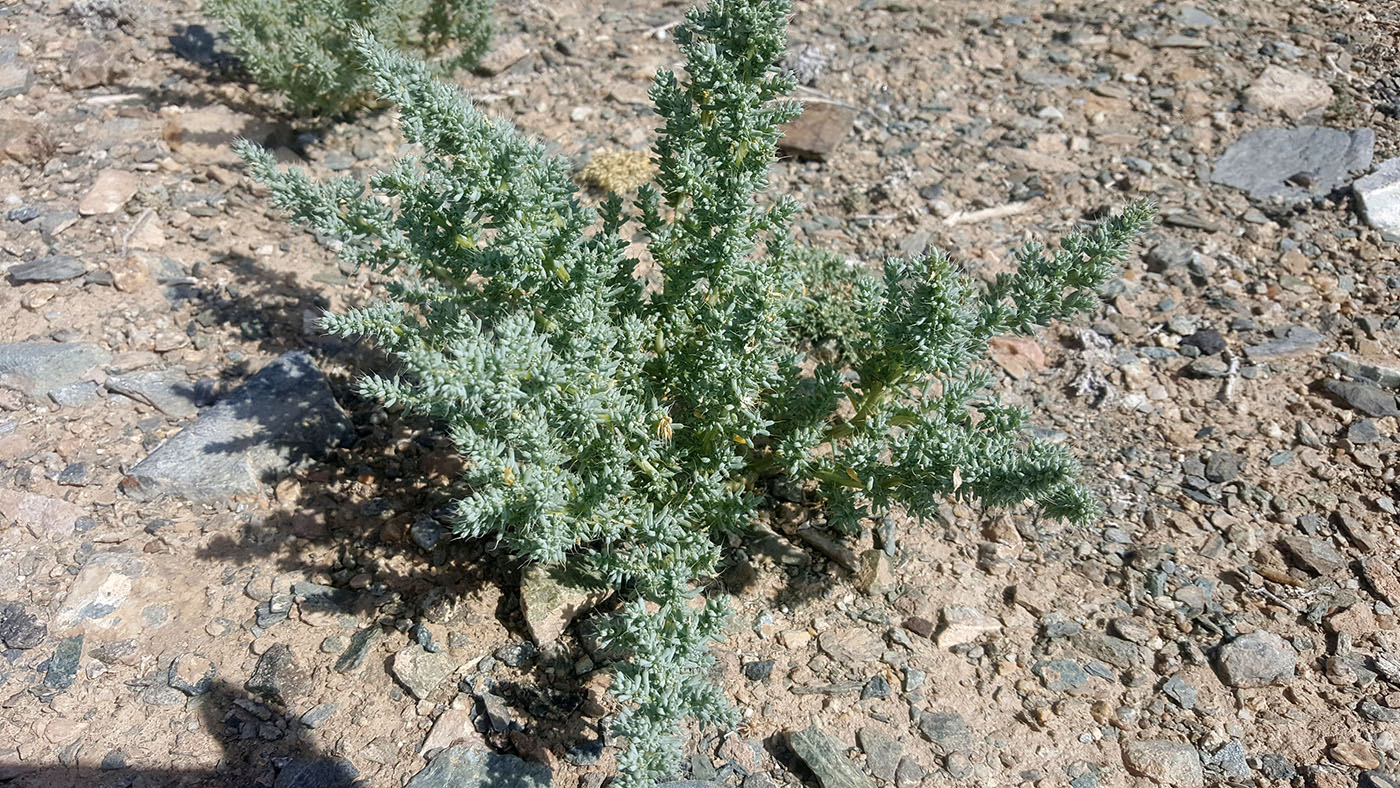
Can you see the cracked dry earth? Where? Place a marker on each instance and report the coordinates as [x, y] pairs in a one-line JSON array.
[[218, 566]]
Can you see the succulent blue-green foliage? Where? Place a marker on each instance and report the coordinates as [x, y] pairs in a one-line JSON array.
[[302, 48], [626, 430]]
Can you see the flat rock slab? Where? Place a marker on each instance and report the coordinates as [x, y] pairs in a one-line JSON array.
[[817, 131], [1288, 167], [1258, 659], [111, 190], [1166, 763], [1378, 195], [551, 598], [281, 417], [44, 517], [167, 390], [38, 368], [54, 268], [825, 755], [467, 767]]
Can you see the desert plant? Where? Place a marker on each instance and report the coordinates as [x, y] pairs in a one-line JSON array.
[[302, 50], [625, 430]]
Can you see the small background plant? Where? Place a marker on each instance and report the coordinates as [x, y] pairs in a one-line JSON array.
[[301, 48], [625, 430]]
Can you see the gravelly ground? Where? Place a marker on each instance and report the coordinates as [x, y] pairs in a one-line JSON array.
[[1231, 619]]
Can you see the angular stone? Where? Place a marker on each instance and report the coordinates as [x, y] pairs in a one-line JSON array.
[[1371, 400], [826, 757], [1381, 577], [1378, 196], [20, 629], [100, 590], [882, 751], [1316, 555], [503, 54], [1178, 690], [1272, 164], [851, 645], [817, 131], [39, 368], [551, 598], [1060, 675], [167, 390], [468, 767], [946, 730], [875, 576], [63, 666], [317, 715], [1021, 357], [93, 64], [1296, 339], [1167, 763], [361, 643], [1119, 653], [277, 420], [420, 670], [452, 727], [1258, 659], [206, 135], [15, 79], [1381, 373], [317, 773], [191, 674], [43, 517], [112, 190], [962, 624], [1288, 92], [277, 676], [54, 268]]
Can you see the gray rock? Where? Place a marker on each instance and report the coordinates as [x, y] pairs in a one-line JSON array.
[[63, 667], [318, 714], [1117, 652], [1315, 555], [278, 419], [167, 390], [551, 598], [39, 368], [1371, 400], [420, 670], [75, 395], [1378, 196], [1386, 377], [1190, 16], [1296, 339], [460, 766], [1230, 760], [1224, 466], [353, 658], [882, 752], [826, 757], [191, 674], [1060, 675], [947, 730], [317, 773], [54, 268], [426, 532], [19, 629], [1165, 762], [15, 78], [1288, 167], [277, 676], [1178, 690], [1256, 660], [909, 773]]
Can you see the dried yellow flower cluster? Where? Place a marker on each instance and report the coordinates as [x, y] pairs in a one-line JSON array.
[[618, 170]]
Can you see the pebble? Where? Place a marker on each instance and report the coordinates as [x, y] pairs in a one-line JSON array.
[[1257, 659], [1371, 400], [758, 670], [317, 715], [550, 600], [945, 729], [817, 132], [1288, 92], [882, 751], [112, 190], [308, 772]]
